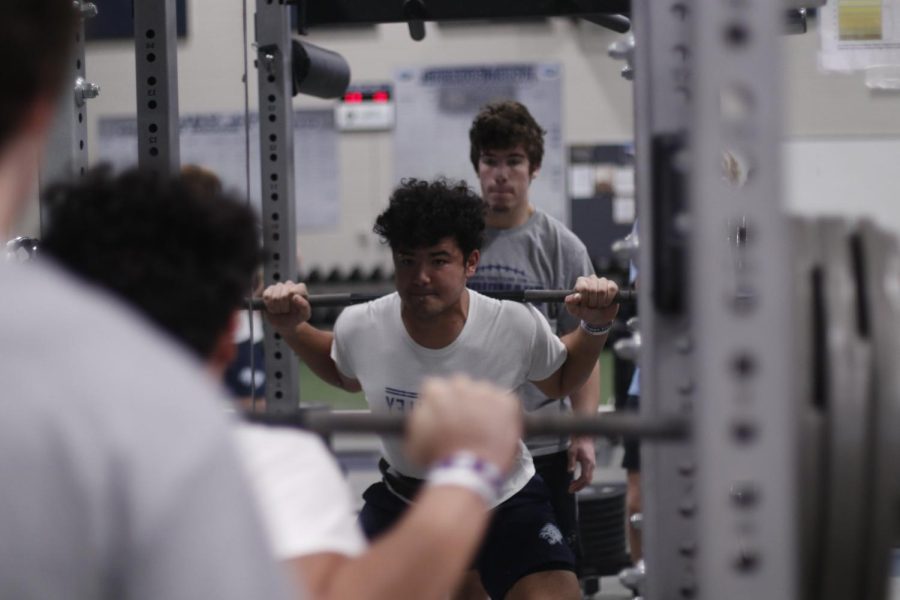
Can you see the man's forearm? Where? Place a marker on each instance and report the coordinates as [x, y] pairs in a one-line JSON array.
[[583, 354], [423, 556], [586, 399], [313, 346]]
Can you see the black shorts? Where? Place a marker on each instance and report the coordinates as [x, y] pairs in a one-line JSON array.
[[522, 538], [554, 470], [631, 461]]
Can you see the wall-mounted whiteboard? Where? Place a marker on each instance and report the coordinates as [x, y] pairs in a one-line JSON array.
[[435, 108], [844, 176], [217, 141]]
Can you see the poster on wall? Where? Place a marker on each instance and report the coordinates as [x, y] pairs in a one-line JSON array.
[[601, 191], [860, 34], [217, 141], [435, 107]]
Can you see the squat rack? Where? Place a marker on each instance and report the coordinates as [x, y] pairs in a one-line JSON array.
[[719, 509], [707, 80]]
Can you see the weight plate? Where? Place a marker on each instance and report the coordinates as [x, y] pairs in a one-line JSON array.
[[848, 377], [810, 331], [881, 277]]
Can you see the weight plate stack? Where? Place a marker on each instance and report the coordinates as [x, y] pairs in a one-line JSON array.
[[601, 516]]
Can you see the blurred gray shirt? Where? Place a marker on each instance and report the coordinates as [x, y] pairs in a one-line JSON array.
[[118, 476], [540, 254]]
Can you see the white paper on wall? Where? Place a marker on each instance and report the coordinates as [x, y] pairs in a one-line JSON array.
[[581, 180], [217, 141], [435, 108], [859, 34]]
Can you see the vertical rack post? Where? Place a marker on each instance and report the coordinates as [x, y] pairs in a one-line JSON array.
[[276, 143], [67, 153], [662, 64], [746, 422], [156, 58]]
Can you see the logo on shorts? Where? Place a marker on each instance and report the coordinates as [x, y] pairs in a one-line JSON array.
[[551, 534]]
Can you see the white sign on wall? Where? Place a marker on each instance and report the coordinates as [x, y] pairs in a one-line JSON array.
[[435, 107], [217, 142], [861, 34]]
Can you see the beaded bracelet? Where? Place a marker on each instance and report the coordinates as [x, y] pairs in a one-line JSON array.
[[465, 469], [596, 329]]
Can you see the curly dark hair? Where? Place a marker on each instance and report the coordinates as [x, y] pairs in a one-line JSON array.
[[184, 258], [35, 39], [503, 125], [422, 213]]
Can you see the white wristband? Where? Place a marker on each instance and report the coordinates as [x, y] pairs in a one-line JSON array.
[[595, 329], [465, 469]]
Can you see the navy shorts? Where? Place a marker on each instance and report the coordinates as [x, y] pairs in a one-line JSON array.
[[554, 470], [522, 537]]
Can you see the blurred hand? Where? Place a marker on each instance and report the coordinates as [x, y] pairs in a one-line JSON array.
[[458, 414], [593, 300], [286, 306]]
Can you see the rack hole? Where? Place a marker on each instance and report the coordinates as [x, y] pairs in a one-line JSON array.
[[744, 365], [151, 57], [736, 35], [744, 432]]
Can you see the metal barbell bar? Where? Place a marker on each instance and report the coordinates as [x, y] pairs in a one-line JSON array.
[[670, 428], [347, 299]]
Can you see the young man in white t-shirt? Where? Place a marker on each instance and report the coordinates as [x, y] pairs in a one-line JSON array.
[[107, 230], [434, 325]]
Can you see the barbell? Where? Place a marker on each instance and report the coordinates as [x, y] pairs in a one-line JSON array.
[[322, 421], [347, 299]]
